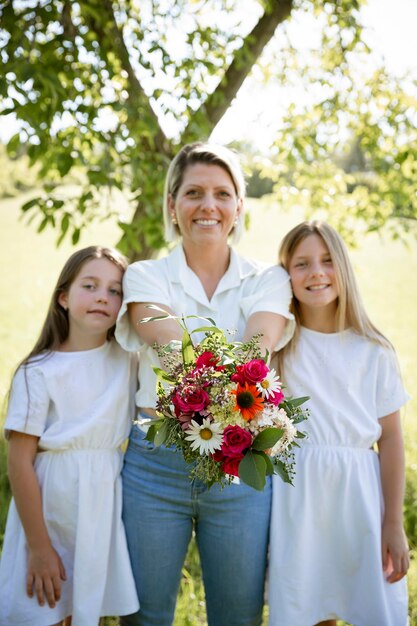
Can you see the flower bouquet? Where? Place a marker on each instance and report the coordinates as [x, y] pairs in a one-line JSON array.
[[222, 406]]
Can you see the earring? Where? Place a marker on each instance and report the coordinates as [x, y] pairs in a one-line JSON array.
[[174, 220]]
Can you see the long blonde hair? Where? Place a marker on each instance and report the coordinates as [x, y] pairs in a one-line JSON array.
[[350, 312]]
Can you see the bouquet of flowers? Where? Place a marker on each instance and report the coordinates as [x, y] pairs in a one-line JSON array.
[[222, 406]]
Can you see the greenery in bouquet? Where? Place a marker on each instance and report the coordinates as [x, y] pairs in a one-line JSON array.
[[222, 406]]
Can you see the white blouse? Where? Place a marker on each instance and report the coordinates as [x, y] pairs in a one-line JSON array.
[[247, 287]]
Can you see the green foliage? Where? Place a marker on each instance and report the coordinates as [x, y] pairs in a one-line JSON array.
[[16, 176], [348, 152], [95, 84], [410, 505]]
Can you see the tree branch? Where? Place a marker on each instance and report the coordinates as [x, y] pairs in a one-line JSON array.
[[217, 103], [139, 105]]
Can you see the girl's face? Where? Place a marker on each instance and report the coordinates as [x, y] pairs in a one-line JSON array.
[[93, 299], [312, 276], [206, 205]]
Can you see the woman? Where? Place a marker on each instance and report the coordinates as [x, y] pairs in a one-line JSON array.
[[203, 276]]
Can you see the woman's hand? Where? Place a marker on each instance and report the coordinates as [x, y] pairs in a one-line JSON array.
[[45, 573], [269, 325]]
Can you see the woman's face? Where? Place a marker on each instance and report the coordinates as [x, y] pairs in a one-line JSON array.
[[206, 205]]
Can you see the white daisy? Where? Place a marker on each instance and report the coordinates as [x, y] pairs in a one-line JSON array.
[[206, 437], [270, 384]]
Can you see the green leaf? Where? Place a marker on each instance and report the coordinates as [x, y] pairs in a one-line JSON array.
[[161, 434], [28, 205], [294, 402], [281, 470], [163, 375], [151, 432], [252, 469], [208, 329], [267, 438], [144, 320], [187, 347], [269, 465]]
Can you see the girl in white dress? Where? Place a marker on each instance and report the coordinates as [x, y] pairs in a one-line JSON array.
[[70, 408], [338, 547]]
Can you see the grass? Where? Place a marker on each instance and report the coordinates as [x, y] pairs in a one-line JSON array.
[[386, 273]]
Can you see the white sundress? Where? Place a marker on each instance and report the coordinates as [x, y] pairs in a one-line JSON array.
[[80, 404], [325, 554]]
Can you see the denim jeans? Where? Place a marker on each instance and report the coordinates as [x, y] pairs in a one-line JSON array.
[[161, 507]]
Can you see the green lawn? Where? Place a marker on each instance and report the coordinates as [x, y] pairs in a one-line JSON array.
[[386, 272]]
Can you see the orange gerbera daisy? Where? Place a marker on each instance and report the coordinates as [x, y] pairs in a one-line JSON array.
[[248, 401]]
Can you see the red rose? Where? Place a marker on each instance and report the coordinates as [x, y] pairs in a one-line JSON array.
[[231, 466], [235, 441], [255, 371], [208, 359], [239, 375], [190, 399], [276, 398]]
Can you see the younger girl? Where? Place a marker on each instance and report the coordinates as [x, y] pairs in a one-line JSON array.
[[65, 550], [338, 547]]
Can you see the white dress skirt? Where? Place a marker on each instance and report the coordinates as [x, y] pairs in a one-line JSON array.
[[325, 552], [80, 408]]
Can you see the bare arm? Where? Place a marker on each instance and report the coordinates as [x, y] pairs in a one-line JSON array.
[[161, 332], [271, 325], [45, 568], [395, 554]]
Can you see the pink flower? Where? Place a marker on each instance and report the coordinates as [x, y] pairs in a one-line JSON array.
[[190, 399], [276, 397], [255, 371]]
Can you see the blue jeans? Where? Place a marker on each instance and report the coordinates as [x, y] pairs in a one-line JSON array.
[[162, 506]]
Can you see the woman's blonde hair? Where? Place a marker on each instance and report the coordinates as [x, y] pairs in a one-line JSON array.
[[211, 154], [350, 312]]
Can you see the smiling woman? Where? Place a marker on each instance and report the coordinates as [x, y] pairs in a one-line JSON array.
[[203, 276]]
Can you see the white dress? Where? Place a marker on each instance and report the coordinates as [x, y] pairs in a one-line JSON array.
[[325, 554], [80, 405]]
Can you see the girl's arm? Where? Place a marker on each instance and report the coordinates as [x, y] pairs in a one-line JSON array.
[[395, 555], [45, 568], [270, 325]]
